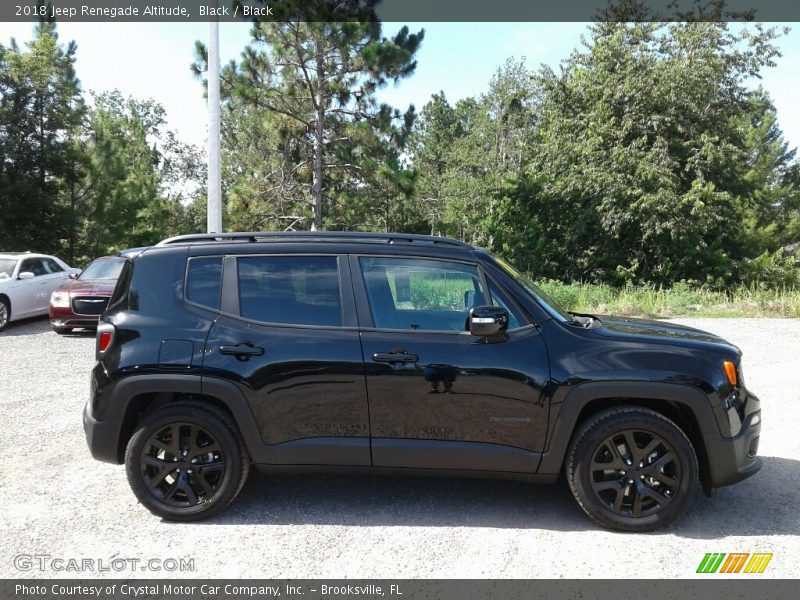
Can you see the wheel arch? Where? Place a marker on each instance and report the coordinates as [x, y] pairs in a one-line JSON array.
[[140, 396], [688, 407]]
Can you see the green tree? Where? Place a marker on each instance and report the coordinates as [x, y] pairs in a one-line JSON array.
[[41, 110], [641, 153], [316, 81], [138, 177]]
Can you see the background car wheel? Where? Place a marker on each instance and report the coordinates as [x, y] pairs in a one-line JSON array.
[[5, 313], [186, 462], [632, 469], [61, 330]]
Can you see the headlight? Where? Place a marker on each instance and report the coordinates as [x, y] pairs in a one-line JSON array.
[[59, 300]]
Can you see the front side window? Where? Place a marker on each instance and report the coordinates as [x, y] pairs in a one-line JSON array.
[[33, 265], [421, 294], [291, 290]]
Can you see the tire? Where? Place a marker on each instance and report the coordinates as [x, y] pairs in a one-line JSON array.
[[5, 313], [625, 489], [61, 330], [186, 462]]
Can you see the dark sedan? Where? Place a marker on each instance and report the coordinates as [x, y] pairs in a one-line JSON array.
[[81, 301]]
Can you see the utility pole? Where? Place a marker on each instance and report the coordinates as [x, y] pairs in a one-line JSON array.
[[214, 176]]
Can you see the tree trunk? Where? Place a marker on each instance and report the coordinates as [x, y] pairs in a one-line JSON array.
[[319, 147]]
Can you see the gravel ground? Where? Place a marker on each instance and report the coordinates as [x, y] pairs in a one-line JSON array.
[[56, 500]]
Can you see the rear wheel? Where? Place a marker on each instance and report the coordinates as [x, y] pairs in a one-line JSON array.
[[5, 313], [632, 469], [186, 462]]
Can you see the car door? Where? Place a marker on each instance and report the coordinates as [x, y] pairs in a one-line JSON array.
[[31, 294], [53, 278], [287, 335], [439, 397]]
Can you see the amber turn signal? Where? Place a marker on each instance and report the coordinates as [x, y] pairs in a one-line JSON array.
[[730, 371]]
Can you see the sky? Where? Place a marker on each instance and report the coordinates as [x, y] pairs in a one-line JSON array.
[[151, 60]]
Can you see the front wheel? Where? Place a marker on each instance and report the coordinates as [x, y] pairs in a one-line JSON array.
[[632, 469], [186, 462]]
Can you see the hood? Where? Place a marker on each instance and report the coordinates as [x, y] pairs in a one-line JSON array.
[[660, 331], [80, 287]]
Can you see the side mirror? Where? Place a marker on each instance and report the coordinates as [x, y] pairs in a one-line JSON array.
[[26, 275], [73, 275], [487, 321]]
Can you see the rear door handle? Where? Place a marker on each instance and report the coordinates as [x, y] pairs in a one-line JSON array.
[[395, 357], [242, 351]]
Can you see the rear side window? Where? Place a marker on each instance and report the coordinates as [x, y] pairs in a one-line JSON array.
[[204, 281], [292, 290], [51, 266]]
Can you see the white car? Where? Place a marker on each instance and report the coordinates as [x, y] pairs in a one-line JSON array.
[[26, 282]]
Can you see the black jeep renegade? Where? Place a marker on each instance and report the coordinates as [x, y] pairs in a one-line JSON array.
[[404, 353]]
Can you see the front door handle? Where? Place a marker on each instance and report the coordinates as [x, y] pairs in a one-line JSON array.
[[395, 357], [242, 351]]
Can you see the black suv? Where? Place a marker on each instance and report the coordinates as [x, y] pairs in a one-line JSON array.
[[391, 352]]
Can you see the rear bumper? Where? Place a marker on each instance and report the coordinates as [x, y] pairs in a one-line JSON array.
[[101, 436], [734, 459]]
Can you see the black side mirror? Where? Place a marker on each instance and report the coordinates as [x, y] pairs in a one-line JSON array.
[[486, 321]]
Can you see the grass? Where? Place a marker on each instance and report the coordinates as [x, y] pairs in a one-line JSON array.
[[678, 301]]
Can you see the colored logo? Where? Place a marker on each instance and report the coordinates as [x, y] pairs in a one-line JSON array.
[[735, 562]]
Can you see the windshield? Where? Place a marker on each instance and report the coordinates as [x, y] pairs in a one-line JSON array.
[[550, 305], [7, 267], [107, 268]]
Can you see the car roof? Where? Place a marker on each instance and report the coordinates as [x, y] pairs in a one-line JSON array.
[[312, 237], [327, 242], [21, 254]]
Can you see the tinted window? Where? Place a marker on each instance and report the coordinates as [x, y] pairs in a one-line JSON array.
[[33, 265], [204, 281], [515, 318], [421, 294], [295, 290], [51, 266]]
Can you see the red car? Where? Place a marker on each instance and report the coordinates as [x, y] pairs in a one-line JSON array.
[[81, 301]]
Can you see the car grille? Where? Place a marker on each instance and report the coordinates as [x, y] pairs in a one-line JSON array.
[[89, 305]]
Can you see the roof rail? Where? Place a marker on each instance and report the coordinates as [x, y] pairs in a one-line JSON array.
[[312, 236]]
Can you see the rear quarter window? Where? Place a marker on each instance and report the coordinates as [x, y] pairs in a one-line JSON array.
[[204, 281]]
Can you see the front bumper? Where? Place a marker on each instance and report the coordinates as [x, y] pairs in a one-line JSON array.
[[733, 459], [65, 317]]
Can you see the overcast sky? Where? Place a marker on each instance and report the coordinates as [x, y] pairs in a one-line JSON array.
[[150, 60]]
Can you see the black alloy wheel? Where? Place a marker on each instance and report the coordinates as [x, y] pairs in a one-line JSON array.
[[186, 461], [635, 473], [182, 465], [632, 469]]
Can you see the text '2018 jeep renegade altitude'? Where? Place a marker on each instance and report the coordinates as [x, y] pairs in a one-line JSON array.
[[403, 353]]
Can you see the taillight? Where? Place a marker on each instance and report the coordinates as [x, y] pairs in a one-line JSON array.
[[105, 340]]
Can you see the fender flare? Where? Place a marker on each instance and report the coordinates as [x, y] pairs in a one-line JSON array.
[[580, 396], [226, 393]]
